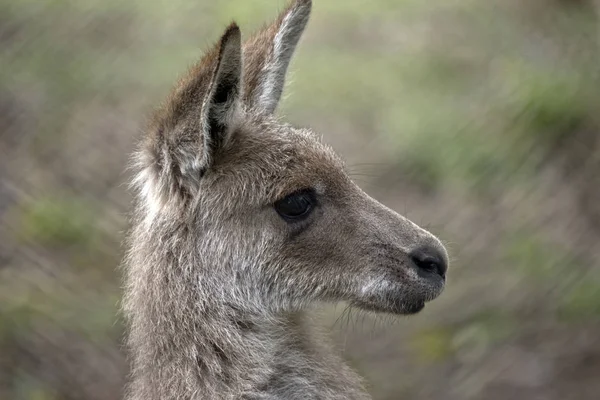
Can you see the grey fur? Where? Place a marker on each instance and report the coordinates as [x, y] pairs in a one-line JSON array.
[[217, 284]]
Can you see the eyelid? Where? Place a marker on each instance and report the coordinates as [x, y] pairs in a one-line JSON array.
[[309, 191]]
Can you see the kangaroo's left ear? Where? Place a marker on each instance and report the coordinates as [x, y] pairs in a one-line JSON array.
[[267, 56], [221, 103], [199, 116]]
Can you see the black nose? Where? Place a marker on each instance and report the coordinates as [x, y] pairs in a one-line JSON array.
[[430, 259]]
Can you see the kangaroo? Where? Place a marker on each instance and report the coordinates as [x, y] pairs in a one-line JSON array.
[[242, 223]]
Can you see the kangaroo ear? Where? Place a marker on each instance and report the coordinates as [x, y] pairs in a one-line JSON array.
[[192, 125], [221, 105], [202, 111], [267, 56]]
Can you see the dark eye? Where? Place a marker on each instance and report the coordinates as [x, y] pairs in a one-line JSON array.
[[296, 206]]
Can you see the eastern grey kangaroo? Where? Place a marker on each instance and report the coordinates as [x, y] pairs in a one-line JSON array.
[[241, 224]]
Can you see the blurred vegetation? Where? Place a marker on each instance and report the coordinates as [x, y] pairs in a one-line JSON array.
[[479, 118]]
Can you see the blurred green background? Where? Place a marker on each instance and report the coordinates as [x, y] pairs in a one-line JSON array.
[[477, 119]]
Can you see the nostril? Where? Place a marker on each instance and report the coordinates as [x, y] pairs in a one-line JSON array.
[[431, 260]]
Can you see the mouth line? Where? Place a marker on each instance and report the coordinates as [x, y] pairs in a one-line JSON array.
[[400, 308], [431, 283], [431, 275]]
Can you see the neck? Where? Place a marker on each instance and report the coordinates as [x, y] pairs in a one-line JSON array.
[[218, 352]]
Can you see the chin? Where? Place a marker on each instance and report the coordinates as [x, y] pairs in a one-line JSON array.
[[394, 298], [413, 308], [391, 307]]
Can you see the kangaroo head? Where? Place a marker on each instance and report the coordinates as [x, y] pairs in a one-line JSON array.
[[262, 212]]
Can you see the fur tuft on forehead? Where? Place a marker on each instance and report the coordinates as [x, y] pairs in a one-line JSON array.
[[260, 168]]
